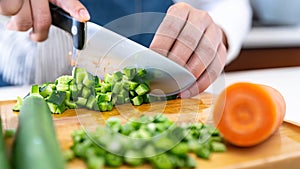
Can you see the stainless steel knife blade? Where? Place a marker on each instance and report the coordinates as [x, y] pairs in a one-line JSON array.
[[106, 52]]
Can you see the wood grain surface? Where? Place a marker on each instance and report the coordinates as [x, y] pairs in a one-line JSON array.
[[280, 151]]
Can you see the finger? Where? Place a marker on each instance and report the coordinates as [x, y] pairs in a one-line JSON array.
[[41, 20], [205, 51], [10, 7], [209, 75], [74, 8], [170, 28], [22, 21], [189, 37]]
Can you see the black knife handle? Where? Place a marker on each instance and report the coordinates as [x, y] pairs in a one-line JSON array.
[[63, 20]]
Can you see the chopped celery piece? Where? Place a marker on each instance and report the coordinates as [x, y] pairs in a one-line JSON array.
[[18, 105], [203, 152], [117, 76], [88, 80], [137, 100], [79, 74], [113, 160], [127, 100], [108, 78], [120, 99], [141, 72], [70, 104], [142, 89], [132, 93], [106, 87], [130, 72], [130, 85], [218, 147], [181, 149], [34, 89], [104, 97], [57, 97], [46, 90], [74, 90], [90, 102], [161, 161], [105, 106], [133, 158], [52, 107], [95, 162], [65, 80], [79, 86], [62, 87], [86, 92], [81, 101], [60, 109], [117, 87]]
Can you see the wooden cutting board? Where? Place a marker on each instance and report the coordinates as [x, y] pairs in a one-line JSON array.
[[280, 151]]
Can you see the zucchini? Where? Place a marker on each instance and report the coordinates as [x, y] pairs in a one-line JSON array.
[[3, 156], [35, 145], [84, 90], [166, 147]]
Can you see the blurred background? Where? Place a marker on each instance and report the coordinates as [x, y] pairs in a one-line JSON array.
[[274, 40]]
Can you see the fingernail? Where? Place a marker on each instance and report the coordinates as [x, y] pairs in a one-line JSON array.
[[84, 14], [185, 94]]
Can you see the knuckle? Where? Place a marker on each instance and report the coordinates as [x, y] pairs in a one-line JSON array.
[[24, 26], [203, 15], [197, 68], [207, 49], [213, 74]]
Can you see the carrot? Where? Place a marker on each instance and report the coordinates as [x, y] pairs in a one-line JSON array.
[[247, 114]]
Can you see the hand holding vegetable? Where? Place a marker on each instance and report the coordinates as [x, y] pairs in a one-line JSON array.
[[247, 114], [190, 37]]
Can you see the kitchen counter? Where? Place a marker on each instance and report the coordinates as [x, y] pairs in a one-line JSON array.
[[272, 37]]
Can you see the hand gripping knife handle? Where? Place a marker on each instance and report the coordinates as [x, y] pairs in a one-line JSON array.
[[63, 20]]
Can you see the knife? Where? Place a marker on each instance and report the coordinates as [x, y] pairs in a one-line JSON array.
[[102, 51]]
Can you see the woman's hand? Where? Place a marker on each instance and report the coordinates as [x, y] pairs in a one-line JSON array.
[[35, 14], [189, 37]]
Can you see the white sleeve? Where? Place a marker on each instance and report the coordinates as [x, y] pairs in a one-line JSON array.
[[233, 16]]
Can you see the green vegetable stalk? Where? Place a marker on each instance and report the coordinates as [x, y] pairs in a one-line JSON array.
[[35, 145]]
